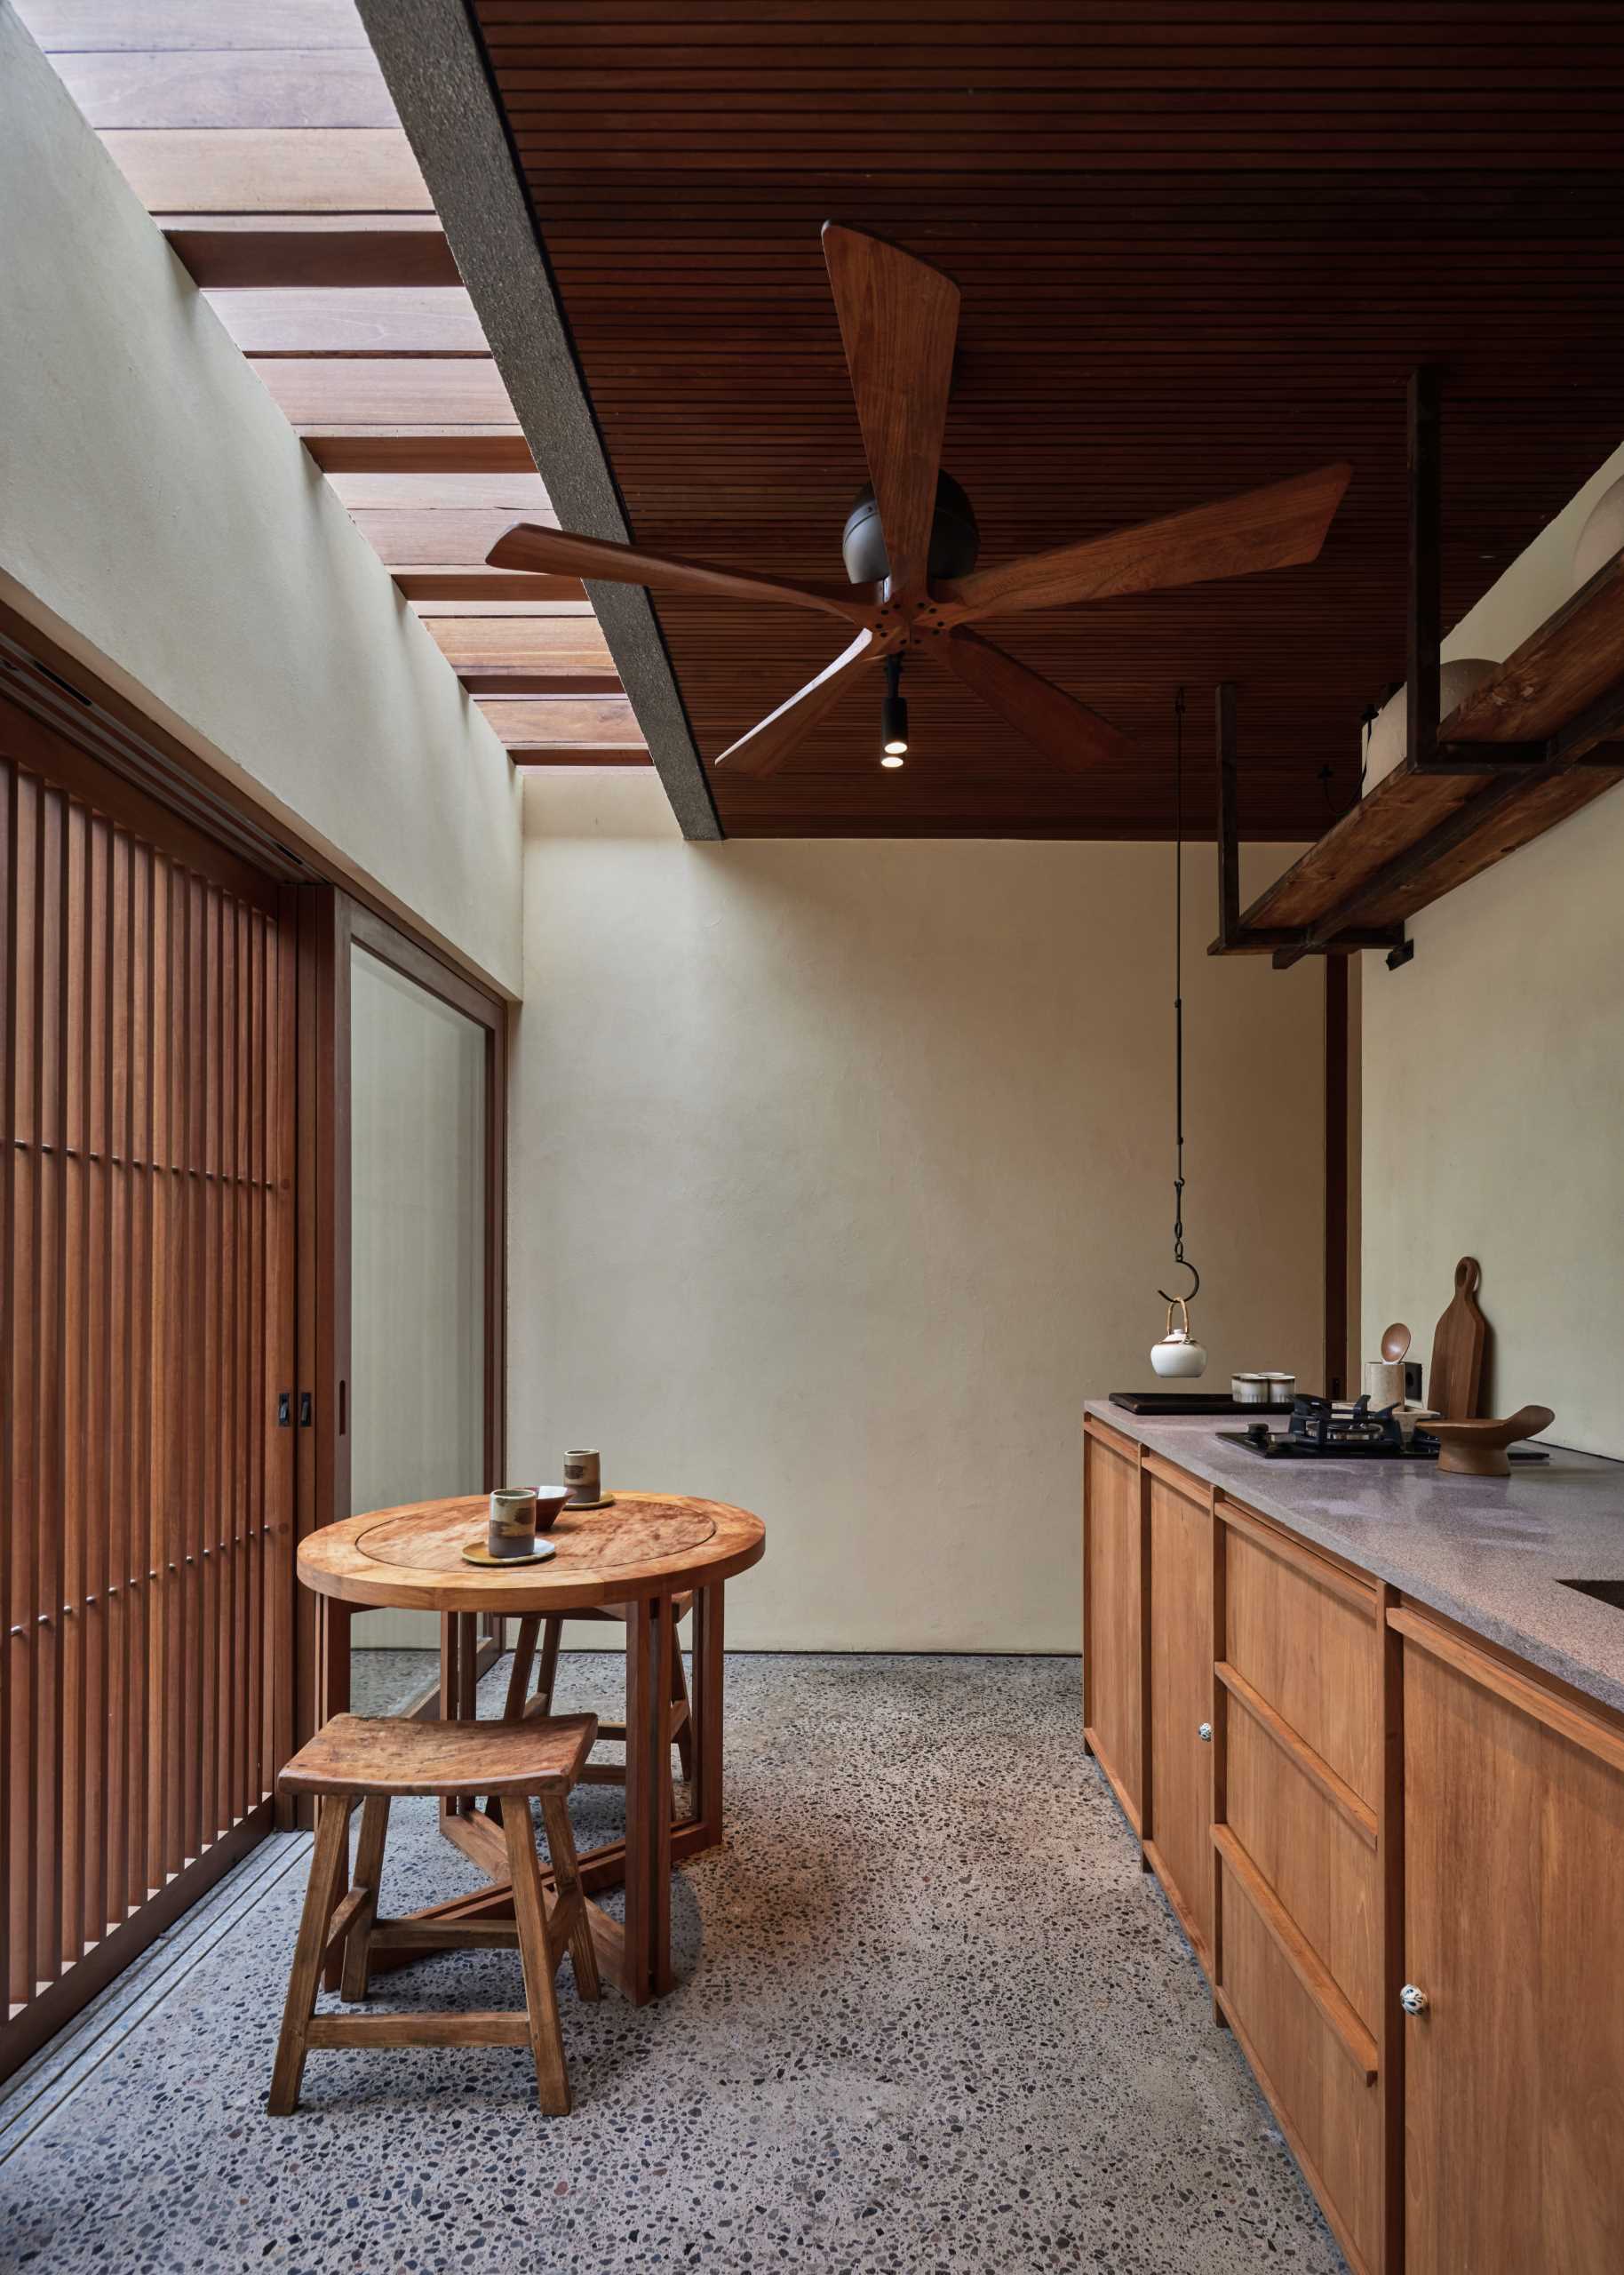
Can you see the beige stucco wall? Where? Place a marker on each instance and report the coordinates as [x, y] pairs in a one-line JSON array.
[[1493, 1085], [159, 518], [840, 1173]]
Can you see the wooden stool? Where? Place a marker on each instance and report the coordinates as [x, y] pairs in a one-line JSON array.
[[352, 1759], [549, 1627]]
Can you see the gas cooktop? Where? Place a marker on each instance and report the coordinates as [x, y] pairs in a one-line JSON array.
[[1321, 1429], [1333, 1432]]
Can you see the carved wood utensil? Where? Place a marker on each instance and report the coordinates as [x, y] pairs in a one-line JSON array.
[[1478, 1449], [1456, 1376]]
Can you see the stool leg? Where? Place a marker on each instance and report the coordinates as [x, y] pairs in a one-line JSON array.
[[368, 1875], [540, 1994], [330, 1859], [567, 1880], [678, 1697], [519, 1676]]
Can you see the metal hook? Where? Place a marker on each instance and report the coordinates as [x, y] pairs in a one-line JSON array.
[[1195, 1287]]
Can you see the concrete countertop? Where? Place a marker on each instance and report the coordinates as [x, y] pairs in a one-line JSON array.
[[1488, 1552]]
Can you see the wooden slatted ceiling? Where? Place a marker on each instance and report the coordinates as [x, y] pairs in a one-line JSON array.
[[262, 136], [1201, 245]]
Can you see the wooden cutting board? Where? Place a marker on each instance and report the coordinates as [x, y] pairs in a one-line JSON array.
[[1456, 1379]]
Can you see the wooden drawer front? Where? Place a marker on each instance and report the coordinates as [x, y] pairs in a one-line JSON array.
[[1327, 2109], [1303, 1633], [1320, 1857], [1113, 1675]]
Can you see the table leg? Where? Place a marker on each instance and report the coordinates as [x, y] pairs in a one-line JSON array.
[[332, 1663], [706, 1710], [647, 1968]]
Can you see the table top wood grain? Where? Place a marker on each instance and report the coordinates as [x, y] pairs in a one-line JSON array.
[[645, 1545]]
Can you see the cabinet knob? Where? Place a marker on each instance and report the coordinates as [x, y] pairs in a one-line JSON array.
[[1204, 1733], [1413, 1998]]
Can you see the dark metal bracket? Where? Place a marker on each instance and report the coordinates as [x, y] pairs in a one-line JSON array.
[[1234, 938]]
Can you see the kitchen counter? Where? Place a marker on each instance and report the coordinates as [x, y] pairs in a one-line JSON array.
[[1487, 1552]]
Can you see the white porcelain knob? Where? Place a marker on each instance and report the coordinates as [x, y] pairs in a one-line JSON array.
[[1204, 1733], [1413, 1998]]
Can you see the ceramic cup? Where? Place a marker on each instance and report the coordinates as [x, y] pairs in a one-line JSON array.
[[583, 1475], [513, 1521]]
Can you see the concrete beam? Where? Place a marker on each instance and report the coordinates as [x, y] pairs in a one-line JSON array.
[[434, 65]]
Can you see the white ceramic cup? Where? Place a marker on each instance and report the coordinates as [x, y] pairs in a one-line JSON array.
[[512, 1530], [583, 1475]]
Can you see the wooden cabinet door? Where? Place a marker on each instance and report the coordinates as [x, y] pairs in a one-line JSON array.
[[1113, 1667], [1179, 1831], [1514, 1928]]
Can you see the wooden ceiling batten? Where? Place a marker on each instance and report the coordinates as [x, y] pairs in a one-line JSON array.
[[261, 135], [1199, 250]]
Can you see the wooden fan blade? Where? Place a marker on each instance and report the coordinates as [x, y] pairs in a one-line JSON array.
[[770, 744], [1276, 528], [898, 322], [1052, 721], [555, 553]]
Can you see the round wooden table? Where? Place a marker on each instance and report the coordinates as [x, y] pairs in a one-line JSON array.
[[637, 1555]]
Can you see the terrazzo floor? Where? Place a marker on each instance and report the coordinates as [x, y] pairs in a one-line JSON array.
[[931, 2017]]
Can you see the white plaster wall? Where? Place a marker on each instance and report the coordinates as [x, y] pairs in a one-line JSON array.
[[840, 1174], [1493, 1084], [159, 517]]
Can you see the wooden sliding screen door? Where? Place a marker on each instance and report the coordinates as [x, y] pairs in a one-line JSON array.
[[146, 980]]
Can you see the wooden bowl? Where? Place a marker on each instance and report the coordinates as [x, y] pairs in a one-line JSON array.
[[1478, 1449]]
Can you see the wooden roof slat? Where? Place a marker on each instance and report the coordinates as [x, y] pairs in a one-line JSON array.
[[439, 538], [62, 27], [561, 719], [560, 643], [328, 87], [543, 755], [391, 391], [343, 447], [277, 170], [350, 322], [475, 585], [314, 251], [519, 493], [548, 680]]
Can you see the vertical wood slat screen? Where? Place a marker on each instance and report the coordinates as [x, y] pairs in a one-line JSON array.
[[146, 1227]]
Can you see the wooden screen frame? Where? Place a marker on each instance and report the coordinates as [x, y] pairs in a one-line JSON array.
[[331, 924]]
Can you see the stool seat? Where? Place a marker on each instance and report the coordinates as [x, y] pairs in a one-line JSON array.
[[355, 1753]]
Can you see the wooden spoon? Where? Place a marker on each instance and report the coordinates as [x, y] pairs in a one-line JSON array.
[[1394, 1343], [1478, 1449]]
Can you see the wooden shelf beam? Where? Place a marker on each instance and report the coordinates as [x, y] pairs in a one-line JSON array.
[[1542, 739]]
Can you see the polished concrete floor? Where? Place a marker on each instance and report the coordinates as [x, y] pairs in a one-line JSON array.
[[931, 2016]]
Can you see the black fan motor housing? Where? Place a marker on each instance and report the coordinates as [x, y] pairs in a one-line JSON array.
[[954, 539]]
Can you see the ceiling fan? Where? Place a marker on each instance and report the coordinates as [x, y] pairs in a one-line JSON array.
[[910, 542]]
